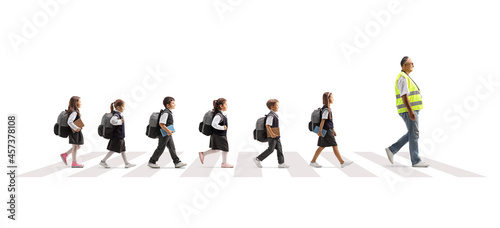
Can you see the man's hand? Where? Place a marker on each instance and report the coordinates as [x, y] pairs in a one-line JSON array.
[[411, 114]]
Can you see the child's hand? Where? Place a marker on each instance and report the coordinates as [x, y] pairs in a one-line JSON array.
[[334, 133], [225, 127], [78, 129], [123, 120], [169, 132], [320, 133]]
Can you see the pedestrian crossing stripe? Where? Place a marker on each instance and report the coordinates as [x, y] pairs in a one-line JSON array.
[[245, 166]]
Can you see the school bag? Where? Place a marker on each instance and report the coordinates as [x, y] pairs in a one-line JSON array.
[[61, 127], [153, 128], [106, 129], [205, 126], [315, 119], [260, 131]]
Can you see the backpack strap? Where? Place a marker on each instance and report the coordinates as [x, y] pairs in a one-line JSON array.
[[221, 116], [159, 116]]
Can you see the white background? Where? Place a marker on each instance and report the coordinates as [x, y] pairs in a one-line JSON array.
[[257, 50]]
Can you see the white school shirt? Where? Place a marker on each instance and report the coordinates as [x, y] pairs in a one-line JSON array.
[[164, 117], [216, 121], [71, 119], [269, 119], [115, 120], [325, 114]]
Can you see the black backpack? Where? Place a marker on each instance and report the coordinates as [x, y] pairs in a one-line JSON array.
[[205, 126], [61, 127], [153, 128], [315, 119], [260, 131], [106, 129]]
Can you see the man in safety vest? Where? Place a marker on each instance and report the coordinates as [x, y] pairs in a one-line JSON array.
[[409, 103]]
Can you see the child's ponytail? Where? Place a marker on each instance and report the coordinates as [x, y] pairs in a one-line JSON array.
[[117, 103], [217, 103]]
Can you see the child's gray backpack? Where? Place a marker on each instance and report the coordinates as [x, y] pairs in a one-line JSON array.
[[315, 119], [61, 127], [106, 129], [153, 128], [260, 131], [205, 126]]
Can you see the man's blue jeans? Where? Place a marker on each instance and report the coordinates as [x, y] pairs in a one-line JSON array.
[[411, 136]]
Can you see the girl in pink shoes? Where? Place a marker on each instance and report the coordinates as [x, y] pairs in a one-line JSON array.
[[75, 135], [218, 139], [117, 142], [328, 139]]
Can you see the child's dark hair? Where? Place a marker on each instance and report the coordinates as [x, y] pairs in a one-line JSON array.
[[117, 103], [217, 103], [167, 101], [271, 103], [72, 105]]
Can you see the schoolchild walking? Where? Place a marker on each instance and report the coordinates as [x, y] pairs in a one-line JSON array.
[[273, 136], [327, 140], [166, 120], [218, 139], [117, 142], [75, 135]]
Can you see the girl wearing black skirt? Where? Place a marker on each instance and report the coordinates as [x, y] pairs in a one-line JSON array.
[[75, 135], [117, 142], [328, 139], [218, 139]]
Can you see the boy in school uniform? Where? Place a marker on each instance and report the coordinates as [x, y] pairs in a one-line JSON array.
[[273, 137], [166, 119]]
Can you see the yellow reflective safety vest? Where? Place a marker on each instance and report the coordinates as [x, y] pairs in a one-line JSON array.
[[413, 95]]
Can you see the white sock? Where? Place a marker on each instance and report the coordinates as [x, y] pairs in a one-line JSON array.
[[107, 156], [224, 156], [210, 152], [124, 157]]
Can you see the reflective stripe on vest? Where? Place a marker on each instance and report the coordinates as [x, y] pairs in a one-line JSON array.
[[414, 96]]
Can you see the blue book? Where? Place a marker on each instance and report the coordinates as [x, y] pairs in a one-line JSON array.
[[169, 127], [323, 131]]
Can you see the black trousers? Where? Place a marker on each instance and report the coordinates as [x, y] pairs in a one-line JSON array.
[[163, 142], [273, 144]]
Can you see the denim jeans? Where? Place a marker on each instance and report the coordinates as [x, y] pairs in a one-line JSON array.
[[411, 136]]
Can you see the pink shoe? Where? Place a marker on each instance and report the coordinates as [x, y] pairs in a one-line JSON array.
[[76, 165], [226, 165], [202, 157], [64, 156]]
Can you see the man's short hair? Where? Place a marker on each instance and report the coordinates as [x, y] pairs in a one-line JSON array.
[[403, 61]]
